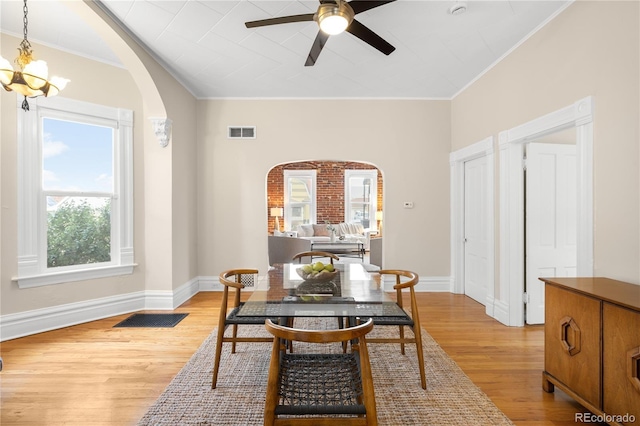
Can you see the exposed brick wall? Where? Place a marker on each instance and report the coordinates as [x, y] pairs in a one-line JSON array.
[[329, 188]]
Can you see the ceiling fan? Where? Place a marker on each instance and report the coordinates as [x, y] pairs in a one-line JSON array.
[[334, 17]]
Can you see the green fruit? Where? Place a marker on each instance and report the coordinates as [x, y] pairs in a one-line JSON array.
[[318, 266], [307, 269], [329, 267]]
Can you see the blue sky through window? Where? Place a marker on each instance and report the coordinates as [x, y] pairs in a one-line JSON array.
[[76, 156]]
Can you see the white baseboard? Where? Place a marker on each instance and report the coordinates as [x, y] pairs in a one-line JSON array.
[[501, 312], [433, 284], [425, 284], [27, 323], [13, 326], [490, 306]]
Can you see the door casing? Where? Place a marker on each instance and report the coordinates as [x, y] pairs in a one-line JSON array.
[[509, 308], [457, 159]]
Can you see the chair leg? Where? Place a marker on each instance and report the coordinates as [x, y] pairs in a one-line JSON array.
[[273, 383], [289, 344], [341, 325], [402, 337], [216, 363], [418, 336], [235, 334]]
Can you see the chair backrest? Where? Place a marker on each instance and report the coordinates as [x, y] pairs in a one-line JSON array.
[[319, 336], [409, 282], [299, 256], [236, 279], [356, 335]]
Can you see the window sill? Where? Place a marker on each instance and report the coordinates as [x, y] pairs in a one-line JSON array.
[[70, 276]]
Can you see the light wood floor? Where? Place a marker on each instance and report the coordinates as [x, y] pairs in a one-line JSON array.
[[93, 374]]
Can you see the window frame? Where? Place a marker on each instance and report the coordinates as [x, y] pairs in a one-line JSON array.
[[373, 195], [288, 174], [32, 212]]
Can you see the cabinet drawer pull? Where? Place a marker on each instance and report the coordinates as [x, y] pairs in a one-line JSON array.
[[633, 367], [570, 336]]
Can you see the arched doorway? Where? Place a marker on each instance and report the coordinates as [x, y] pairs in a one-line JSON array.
[[324, 191]]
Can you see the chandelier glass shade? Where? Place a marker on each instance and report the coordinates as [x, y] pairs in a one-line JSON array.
[[32, 79], [334, 18]]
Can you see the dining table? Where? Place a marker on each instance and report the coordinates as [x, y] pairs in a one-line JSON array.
[[354, 292]]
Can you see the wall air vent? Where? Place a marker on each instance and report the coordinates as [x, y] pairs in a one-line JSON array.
[[241, 132]]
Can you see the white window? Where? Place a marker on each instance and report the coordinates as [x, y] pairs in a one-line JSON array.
[[75, 192], [299, 198], [361, 197]]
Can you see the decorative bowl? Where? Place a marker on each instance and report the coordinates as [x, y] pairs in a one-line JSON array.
[[318, 277], [317, 288]]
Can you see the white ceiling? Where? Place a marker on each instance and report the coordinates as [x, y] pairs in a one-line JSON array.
[[207, 47]]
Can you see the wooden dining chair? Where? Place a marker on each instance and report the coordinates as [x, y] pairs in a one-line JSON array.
[[312, 254], [236, 280], [404, 280], [316, 386]]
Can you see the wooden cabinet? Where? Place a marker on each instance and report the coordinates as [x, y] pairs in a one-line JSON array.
[[621, 360], [592, 345]]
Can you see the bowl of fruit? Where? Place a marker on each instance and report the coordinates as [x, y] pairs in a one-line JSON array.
[[318, 272]]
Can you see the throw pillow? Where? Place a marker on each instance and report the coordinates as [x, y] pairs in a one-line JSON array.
[[320, 231], [307, 231]]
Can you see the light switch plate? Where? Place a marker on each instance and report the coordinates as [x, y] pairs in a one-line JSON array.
[[408, 204]]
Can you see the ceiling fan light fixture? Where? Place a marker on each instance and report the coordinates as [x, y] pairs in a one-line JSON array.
[[334, 18]]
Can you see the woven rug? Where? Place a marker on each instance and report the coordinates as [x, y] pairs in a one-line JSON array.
[[450, 399]]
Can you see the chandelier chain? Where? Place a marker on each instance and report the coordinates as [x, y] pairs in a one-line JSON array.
[[25, 47], [25, 20]]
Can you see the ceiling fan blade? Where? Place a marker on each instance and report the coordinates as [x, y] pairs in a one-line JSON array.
[[318, 44], [369, 37], [280, 20], [360, 6]]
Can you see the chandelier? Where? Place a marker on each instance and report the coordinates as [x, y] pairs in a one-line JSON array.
[[32, 78]]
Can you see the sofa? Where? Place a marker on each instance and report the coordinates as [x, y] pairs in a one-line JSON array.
[[348, 232], [282, 248]]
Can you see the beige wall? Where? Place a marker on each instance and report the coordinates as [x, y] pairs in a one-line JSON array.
[[591, 49], [169, 218], [407, 140], [119, 92], [201, 202]]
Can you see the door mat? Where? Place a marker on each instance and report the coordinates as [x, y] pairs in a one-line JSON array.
[[152, 320]]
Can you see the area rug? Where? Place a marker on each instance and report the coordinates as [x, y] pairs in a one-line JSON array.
[[450, 399]]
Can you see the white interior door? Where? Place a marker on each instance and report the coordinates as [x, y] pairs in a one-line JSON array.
[[551, 220], [476, 245]]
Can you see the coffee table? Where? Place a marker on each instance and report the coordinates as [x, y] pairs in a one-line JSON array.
[[341, 248]]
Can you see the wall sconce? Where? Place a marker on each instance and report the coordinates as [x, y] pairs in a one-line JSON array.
[[275, 212]]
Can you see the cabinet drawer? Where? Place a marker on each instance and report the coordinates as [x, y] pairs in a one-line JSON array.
[[621, 356], [572, 341]]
